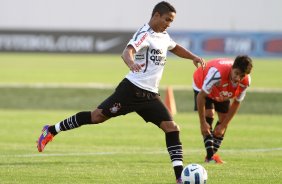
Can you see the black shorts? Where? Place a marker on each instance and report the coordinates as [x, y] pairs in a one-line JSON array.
[[222, 107], [130, 98]]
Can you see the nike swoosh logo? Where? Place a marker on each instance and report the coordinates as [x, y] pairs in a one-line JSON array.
[[194, 169], [103, 45]]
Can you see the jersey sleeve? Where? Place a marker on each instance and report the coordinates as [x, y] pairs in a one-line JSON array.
[[172, 44], [139, 40], [213, 77], [242, 95]]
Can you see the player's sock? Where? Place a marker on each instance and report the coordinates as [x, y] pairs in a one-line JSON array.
[[208, 141], [72, 122], [174, 148], [217, 141]]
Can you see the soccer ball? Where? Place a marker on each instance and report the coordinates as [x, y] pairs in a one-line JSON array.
[[194, 174]]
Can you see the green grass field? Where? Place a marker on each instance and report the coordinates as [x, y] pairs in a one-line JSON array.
[[44, 68], [125, 149]]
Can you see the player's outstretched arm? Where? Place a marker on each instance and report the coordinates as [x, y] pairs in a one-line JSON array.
[[184, 53]]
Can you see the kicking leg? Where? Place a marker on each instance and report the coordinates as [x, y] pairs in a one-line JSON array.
[[75, 121]]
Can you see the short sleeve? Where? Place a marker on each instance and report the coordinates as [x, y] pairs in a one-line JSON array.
[[212, 77], [172, 44], [139, 40], [242, 95]]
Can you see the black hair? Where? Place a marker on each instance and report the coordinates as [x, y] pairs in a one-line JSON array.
[[243, 63], [163, 8]]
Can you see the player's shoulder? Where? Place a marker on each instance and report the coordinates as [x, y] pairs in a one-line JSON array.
[[221, 61], [145, 29], [221, 64], [213, 72], [141, 34]]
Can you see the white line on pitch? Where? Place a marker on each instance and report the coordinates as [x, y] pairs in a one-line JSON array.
[[111, 86], [146, 153]]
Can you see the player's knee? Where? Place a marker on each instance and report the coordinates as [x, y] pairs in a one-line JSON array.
[[169, 126], [209, 113], [177, 128], [217, 134], [97, 116]]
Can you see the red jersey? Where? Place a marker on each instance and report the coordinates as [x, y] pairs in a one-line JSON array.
[[214, 79]]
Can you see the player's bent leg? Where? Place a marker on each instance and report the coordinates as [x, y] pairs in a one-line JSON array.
[[72, 122], [169, 126], [208, 139], [217, 140], [211, 150], [174, 146], [208, 143], [75, 121]]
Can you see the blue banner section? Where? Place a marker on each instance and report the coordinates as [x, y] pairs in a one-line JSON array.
[[231, 43], [219, 44]]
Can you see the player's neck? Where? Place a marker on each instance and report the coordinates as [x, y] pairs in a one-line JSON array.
[[154, 26]]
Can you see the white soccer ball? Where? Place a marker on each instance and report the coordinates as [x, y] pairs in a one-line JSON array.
[[194, 174]]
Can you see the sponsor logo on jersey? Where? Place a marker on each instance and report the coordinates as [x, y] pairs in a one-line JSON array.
[[139, 57], [223, 96], [226, 94], [141, 40], [157, 58], [156, 51]]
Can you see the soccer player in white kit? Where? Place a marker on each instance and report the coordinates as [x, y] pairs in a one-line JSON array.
[[145, 55]]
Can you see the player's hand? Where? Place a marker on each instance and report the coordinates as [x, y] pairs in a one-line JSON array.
[[198, 60], [205, 129], [135, 67], [219, 130]]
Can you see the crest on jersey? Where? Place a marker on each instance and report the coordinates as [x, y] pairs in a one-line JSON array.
[[115, 108]]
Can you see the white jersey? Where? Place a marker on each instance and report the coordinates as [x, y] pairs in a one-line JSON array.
[[151, 51]]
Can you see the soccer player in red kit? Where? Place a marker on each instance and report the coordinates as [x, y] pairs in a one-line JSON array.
[[219, 87]]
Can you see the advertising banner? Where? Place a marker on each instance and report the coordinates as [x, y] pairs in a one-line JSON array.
[[202, 43], [231, 43], [63, 42]]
